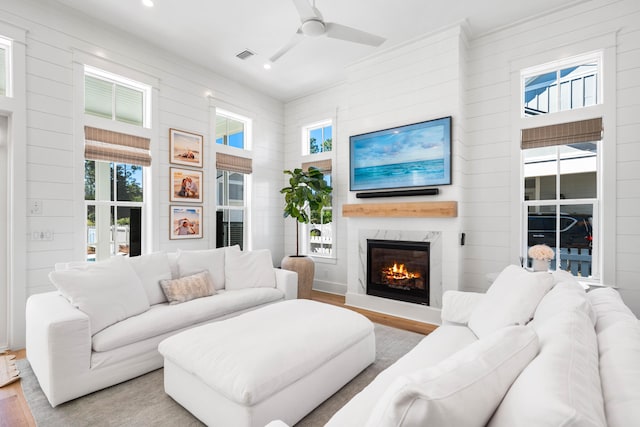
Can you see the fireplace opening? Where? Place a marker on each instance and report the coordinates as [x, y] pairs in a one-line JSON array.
[[398, 270]]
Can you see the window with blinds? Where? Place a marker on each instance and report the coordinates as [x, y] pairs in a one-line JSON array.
[[560, 177], [108, 96]]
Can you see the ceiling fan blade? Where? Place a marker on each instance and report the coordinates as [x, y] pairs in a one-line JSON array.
[[297, 37], [305, 10], [342, 32]]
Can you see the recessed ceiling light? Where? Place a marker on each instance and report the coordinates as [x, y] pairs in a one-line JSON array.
[[148, 3], [267, 66]]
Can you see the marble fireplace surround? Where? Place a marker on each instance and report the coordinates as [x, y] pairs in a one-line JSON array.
[[357, 295]]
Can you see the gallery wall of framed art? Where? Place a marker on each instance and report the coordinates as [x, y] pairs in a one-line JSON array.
[[186, 184]]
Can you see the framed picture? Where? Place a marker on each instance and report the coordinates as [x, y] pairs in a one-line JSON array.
[[186, 222], [185, 148], [186, 185]]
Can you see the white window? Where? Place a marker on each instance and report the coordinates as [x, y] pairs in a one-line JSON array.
[[231, 208], [231, 130], [317, 138], [114, 197], [116, 98], [115, 164], [561, 196], [562, 86], [5, 67], [320, 229]]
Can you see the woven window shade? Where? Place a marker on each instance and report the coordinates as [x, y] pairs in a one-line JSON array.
[[562, 134], [323, 165], [233, 163], [106, 145]]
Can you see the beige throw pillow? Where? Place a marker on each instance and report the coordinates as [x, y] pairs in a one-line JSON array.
[[187, 288]]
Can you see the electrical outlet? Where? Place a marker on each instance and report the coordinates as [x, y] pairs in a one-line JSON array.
[[35, 207], [44, 235]]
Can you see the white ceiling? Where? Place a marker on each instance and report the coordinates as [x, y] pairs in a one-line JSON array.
[[211, 32]]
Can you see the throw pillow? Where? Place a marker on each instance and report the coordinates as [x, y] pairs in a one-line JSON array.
[[187, 288], [250, 269], [511, 300], [561, 386], [107, 291], [462, 390], [151, 269], [564, 296], [191, 262]]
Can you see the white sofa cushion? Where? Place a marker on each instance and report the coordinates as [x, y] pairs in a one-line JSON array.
[[609, 308], [432, 349], [220, 355], [561, 386], [163, 318], [151, 269], [619, 347], [107, 291], [462, 390], [457, 306], [192, 262], [511, 300], [188, 288], [249, 269], [564, 296]]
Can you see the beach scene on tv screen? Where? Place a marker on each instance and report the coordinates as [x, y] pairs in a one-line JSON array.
[[411, 156]]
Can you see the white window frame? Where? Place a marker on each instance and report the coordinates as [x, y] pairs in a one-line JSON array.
[[227, 206], [305, 229], [606, 109], [557, 203], [7, 45], [82, 61], [557, 66], [306, 136], [126, 82], [104, 174], [237, 117]]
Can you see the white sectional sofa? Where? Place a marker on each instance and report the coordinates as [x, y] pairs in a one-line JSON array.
[[105, 322], [574, 364]]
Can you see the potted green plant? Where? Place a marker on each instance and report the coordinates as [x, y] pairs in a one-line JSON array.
[[304, 198]]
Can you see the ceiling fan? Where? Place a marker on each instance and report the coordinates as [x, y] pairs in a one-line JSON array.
[[313, 25]]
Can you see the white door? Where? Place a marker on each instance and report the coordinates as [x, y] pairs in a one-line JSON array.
[[4, 290]]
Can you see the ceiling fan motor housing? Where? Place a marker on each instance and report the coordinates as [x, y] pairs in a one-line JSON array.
[[312, 27]]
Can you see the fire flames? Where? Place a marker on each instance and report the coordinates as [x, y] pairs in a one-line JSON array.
[[398, 272]]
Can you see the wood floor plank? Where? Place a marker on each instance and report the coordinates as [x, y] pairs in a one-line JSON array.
[[385, 319], [14, 410]]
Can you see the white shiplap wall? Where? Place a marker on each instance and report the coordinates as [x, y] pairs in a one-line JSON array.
[[55, 36], [492, 198]]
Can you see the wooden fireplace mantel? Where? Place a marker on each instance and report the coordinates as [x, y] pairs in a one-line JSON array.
[[447, 209]]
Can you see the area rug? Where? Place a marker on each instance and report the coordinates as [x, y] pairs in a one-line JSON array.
[[143, 402]]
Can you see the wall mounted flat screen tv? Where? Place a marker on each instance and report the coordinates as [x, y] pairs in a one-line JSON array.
[[409, 156]]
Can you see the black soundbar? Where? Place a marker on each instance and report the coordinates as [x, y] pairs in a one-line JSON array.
[[418, 192]]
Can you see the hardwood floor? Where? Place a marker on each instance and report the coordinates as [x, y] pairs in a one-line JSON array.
[[385, 319], [14, 411]]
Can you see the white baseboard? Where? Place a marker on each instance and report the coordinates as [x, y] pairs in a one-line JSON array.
[[330, 287]]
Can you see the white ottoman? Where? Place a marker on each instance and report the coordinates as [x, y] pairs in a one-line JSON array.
[[278, 362]]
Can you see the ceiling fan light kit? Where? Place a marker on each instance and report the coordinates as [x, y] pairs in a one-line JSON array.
[[313, 25]]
